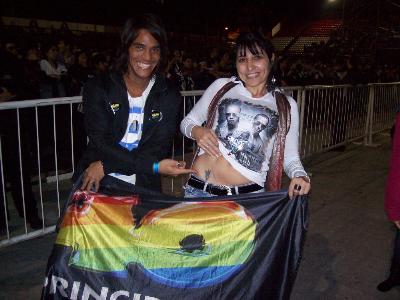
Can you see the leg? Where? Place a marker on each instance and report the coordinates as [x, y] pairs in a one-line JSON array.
[[394, 276], [395, 267], [13, 175]]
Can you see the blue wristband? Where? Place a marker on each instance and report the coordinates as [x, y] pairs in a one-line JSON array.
[[155, 167]]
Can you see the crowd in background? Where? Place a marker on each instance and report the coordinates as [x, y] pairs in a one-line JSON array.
[[58, 63]]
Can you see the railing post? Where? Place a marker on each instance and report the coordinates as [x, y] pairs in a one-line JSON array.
[[3, 191], [302, 99], [21, 172], [370, 114]]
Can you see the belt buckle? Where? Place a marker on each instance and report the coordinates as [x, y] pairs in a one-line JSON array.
[[228, 189]]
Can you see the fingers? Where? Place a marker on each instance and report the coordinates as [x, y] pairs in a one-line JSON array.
[[92, 177], [178, 168], [209, 142], [88, 184], [96, 185], [291, 191], [173, 168], [307, 189], [211, 150], [397, 223], [298, 186], [181, 164], [85, 183], [181, 168], [213, 138]]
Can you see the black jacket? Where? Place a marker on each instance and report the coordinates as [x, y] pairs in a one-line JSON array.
[[106, 110]]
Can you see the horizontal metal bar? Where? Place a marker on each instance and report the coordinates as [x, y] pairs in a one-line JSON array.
[[28, 236], [39, 102]]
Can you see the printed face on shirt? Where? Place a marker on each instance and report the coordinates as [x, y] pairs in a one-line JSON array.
[[253, 69], [232, 115], [144, 56], [254, 127], [260, 122]]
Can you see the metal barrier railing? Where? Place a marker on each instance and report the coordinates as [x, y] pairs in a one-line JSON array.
[[332, 116], [37, 152], [42, 138], [384, 98]]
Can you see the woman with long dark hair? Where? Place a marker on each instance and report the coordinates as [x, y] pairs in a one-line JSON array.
[[131, 113], [251, 132]]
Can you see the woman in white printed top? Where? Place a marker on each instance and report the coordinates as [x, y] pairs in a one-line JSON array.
[[252, 129]]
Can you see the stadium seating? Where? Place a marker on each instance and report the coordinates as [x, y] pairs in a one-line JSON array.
[[313, 32]]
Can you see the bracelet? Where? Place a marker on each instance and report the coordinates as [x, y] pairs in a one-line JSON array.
[[305, 178], [156, 165]]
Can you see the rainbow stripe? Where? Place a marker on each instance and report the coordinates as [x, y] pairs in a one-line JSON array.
[[102, 234]]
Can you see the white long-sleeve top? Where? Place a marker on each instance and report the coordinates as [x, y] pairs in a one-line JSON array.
[[246, 128]]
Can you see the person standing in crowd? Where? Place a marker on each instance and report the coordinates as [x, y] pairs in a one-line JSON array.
[[100, 64], [79, 73], [186, 81], [32, 74], [174, 66], [12, 68], [392, 207], [234, 165], [131, 114], [16, 147], [54, 83], [203, 77], [21, 188]]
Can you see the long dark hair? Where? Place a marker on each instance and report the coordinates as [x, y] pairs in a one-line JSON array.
[[130, 32], [255, 41]]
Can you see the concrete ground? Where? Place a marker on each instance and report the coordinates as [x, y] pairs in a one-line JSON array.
[[348, 247]]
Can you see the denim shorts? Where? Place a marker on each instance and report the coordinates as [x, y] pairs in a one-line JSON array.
[[191, 192]]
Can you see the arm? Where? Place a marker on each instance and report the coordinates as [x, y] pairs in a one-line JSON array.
[[392, 194], [191, 125], [45, 67], [292, 164], [95, 172], [99, 121]]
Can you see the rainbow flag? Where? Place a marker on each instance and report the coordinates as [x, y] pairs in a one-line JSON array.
[[142, 247]]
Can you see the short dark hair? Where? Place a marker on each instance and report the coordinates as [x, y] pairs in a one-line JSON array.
[[46, 47], [260, 115], [98, 58], [255, 41], [130, 32]]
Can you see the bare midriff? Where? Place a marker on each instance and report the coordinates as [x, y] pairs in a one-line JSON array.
[[217, 170]]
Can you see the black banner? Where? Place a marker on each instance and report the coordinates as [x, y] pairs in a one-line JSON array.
[[150, 246]]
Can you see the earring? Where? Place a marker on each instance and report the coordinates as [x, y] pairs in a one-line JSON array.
[[272, 84]]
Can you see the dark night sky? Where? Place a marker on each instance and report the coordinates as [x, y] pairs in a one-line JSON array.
[[197, 16]]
